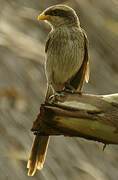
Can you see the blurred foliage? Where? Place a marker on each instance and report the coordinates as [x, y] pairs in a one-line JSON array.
[[23, 86]]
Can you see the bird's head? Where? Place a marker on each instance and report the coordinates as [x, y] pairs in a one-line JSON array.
[[59, 15]]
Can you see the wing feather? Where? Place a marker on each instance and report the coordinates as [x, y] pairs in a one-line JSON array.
[[82, 75]]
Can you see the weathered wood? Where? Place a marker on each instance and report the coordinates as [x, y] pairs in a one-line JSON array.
[[89, 116]]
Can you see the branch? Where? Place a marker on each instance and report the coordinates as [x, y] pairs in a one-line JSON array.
[[94, 117]]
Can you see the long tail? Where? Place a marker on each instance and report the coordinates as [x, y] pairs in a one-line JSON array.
[[38, 154], [39, 148]]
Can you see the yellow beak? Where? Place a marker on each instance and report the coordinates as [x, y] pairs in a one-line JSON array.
[[43, 17]]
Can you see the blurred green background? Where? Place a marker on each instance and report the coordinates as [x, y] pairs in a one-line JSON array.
[[23, 86]]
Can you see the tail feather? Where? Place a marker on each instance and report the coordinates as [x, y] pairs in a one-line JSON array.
[[38, 154]]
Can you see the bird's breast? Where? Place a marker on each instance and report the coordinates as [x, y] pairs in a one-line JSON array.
[[63, 55]]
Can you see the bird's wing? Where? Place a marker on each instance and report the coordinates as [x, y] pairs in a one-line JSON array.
[[87, 74], [49, 90], [78, 79]]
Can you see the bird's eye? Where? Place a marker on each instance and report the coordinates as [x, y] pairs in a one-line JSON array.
[[60, 13], [54, 12], [57, 12]]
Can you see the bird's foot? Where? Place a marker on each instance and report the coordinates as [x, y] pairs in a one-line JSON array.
[[72, 91], [56, 95]]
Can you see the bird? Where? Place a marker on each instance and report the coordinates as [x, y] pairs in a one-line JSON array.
[[66, 67]]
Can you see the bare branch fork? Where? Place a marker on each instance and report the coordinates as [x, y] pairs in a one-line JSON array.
[[93, 117]]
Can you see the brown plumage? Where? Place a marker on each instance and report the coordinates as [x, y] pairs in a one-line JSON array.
[[67, 65]]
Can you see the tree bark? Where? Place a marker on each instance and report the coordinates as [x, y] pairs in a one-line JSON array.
[[93, 117]]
